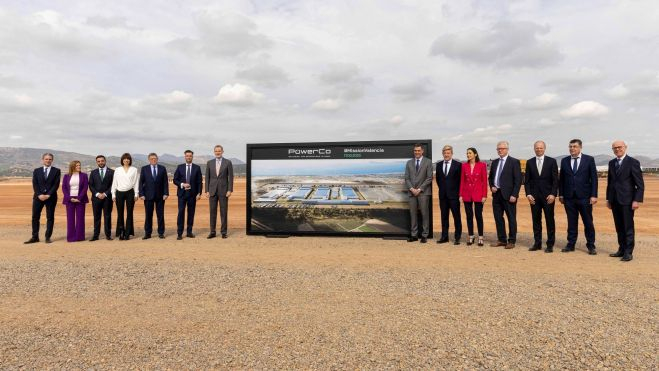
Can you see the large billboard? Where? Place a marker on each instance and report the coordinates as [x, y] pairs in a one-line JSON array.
[[337, 188]]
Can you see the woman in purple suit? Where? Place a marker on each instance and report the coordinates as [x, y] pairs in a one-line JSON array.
[[74, 187]]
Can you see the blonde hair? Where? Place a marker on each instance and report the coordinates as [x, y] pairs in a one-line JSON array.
[[72, 166]]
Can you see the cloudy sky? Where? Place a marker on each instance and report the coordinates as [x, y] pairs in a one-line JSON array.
[[116, 76]]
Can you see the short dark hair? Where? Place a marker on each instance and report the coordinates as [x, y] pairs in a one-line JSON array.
[[478, 159], [126, 156], [152, 154], [188, 151], [100, 156], [578, 141], [47, 154], [418, 145]]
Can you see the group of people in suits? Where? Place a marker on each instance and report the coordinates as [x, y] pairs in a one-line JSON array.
[[575, 185], [123, 186]]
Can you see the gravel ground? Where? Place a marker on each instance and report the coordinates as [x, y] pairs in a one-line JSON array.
[[251, 302]]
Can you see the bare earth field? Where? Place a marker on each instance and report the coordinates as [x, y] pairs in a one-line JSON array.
[[254, 302]]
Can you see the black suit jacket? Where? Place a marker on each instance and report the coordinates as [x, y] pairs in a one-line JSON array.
[[449, 185], [153, 189], [510, 180], [626, 185], [96, 185], [541, 185], [195, 180], [581, 185], [43, 186]]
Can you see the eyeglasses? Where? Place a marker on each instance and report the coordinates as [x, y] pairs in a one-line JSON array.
[[502, 148], [617, 148]]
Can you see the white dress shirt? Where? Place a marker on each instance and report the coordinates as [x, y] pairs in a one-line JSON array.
[[74, 185], [125, 180]]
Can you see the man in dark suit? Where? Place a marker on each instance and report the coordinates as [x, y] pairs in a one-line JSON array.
[[187, 179], [418, 180], [541, 188], [154, 190], [448, 175], [505, 181], [100, 184], [45, 183], [219, 186], [624, 194], [577, 189]]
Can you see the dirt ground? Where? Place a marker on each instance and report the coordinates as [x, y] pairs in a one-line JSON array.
[[328, 303]]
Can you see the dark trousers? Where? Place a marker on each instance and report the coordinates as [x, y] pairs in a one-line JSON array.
[[190, 202], [447, 205], [102, 208], [37, 207], [422, 204], [469, 210], [623, 217], [75, 222], [501, 206], [159, 206], [224, 204], [573, 208], [127, 200], [541, 206]]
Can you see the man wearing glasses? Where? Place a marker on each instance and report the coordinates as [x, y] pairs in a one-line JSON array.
[[624, 194], [577, 189], [505, 181]]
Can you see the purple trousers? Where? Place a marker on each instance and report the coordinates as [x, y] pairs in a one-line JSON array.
[[75, 222]]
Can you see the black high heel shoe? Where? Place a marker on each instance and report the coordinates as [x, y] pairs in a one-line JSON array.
[[480, 240], [120, 234], [470, 241]]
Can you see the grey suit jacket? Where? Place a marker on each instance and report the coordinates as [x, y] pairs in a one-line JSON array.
[[419, 179], [219, 184]]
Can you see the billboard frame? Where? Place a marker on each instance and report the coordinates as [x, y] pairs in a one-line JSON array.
[[427, 143]]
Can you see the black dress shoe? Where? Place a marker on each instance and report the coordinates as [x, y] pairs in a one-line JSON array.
[[190, 235], [48, 240], [31, 240], [442, 240], [627, 258], [211, 235], [161, 236], [549, 250], [109, 238], [179, 237], [617, 255], [423, 240], [567, 249], [412, 239], [592, 252], [224, 235], [456, 242], [94, 239], [535, 247], [121, 237], [127, 237], [146, 237]]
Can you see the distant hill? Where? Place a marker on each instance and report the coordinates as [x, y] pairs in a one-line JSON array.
[[20, 162]]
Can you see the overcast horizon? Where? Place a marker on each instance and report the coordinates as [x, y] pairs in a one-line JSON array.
[[109, 77]]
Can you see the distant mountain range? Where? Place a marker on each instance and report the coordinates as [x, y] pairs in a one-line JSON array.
[[20, 162]]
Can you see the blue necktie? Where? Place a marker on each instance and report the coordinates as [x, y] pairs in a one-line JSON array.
[[618, 164], [153, 171], [417, 165], [499, 170], [574, 165]]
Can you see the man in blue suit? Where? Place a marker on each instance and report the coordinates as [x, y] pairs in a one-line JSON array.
[[187, 179], [624, 194], [154, 190], [45, 182], [577, 189]]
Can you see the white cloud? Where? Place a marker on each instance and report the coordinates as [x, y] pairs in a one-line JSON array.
[[518, 105], [505, 44], [177, 97], [238, 95], [618, 91], [575, 79], [327, 104], [585, 109], [412, 91], [264, 74]]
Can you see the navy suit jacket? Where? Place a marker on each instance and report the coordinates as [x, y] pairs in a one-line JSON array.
[[581, 185], [626, 185], [195, 181], [43, 186], [153, 189], [510, 180], [449, 185]]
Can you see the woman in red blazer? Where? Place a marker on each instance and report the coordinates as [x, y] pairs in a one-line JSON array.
[[473, 192], [74, 187]]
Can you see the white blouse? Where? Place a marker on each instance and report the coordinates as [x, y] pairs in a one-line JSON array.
[[74, 185], [125, 180]]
